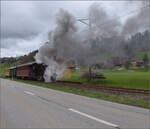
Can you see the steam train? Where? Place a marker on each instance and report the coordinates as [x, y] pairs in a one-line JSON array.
[[30, 70], [34, 71]]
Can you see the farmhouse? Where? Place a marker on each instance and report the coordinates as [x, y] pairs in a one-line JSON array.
[[137, 63]]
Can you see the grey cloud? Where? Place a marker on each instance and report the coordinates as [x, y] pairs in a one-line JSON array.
[[7, 43], [18, 22], [26, 20]]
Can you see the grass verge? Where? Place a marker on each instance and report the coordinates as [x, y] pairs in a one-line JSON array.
[[92, 94]]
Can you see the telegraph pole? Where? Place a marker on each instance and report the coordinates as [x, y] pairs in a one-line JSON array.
[[90, 26]]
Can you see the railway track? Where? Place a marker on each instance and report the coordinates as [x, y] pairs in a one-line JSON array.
[[100, 88], [80, 85]]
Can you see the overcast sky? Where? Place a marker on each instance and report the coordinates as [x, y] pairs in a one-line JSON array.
[[24, 25]]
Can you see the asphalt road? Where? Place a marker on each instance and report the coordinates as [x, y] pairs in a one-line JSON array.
[[27, 106]]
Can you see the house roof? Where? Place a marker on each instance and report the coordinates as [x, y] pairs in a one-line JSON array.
[[137, 60], [26, 64]]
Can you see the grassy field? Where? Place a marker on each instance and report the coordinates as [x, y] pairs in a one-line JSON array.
[[3, 68], [138, 79], [98, 95]]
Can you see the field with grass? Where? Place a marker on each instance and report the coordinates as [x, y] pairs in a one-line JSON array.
[[138, 79], [3, 68]]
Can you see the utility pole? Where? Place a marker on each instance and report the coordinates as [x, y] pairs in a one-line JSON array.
[[90, 26], [12, 74]]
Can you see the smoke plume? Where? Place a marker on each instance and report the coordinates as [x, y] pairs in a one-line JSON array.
[[138, 22], [103, 38], [61, 47]]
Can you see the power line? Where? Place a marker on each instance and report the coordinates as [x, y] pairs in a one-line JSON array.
[[133, 11], [82, 20]]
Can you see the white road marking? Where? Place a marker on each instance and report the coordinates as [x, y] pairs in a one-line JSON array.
[[94, 118], [30, 93]]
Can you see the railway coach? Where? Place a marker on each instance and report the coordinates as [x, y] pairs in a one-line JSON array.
[[30, 70]]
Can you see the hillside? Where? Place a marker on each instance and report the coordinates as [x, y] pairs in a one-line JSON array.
[[18, 60]]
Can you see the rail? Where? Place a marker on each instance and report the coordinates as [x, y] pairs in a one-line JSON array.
[[108, 88]]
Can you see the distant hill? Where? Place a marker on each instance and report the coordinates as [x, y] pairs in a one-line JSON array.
[[27, 58], [11, 61]]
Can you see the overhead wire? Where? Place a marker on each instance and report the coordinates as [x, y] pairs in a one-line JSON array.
[[133, 11]]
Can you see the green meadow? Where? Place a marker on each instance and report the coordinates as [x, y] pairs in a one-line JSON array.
[[138, 79]]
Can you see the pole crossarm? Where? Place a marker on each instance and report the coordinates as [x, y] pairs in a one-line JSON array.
[[83, 21]]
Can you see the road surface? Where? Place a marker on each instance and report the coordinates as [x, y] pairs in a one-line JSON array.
[[27, 106]]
